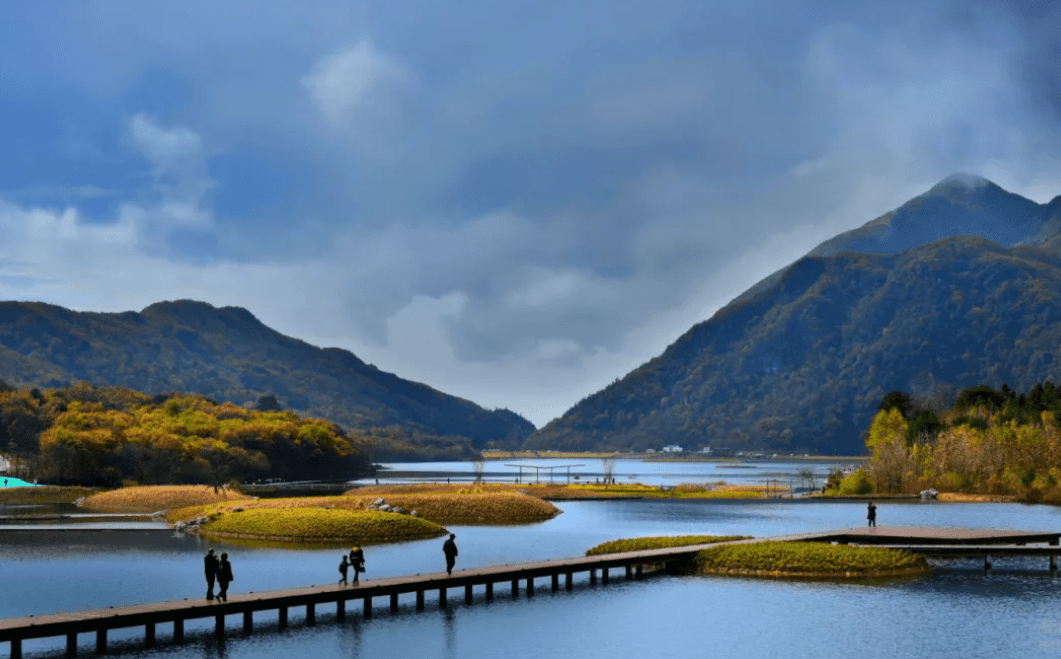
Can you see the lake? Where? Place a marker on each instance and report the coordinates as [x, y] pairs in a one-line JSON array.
[[956, 611]]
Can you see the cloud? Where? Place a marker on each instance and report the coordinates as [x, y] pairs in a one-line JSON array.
[[515, 210], [358, 84]]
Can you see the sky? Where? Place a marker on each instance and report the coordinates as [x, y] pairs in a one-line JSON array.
[[514, 202]]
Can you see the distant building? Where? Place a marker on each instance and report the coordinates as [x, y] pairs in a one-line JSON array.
[[673, 448]]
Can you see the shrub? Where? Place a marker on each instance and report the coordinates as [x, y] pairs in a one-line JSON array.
[[857, 483]]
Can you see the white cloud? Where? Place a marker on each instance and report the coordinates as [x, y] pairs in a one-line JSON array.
[[357, 84]]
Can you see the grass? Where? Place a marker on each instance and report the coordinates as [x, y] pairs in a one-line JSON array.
[[321, 525], [807, 559], [152, 498], [44, 494], [657, 542]]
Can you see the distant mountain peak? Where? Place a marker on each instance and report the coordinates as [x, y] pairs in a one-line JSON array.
[[963, 182]]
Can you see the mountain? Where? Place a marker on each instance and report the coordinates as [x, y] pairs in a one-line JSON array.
[[228, 354], [959, 286]]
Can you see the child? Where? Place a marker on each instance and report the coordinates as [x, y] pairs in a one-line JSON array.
[[343, 567]]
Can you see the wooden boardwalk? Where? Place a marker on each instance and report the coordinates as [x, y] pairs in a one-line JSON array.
[[935, 542], [149, 616]]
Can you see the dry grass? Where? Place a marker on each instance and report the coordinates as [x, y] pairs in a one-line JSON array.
[[483, 508], [974, 498], [152, 498], [44, 494], [321, 525]]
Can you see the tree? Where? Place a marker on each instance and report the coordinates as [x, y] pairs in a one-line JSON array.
[[478, 465], [899, 400], [607, 464], [268, 403]]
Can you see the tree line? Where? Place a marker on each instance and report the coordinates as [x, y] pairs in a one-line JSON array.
[[104, 436], [989, 441]]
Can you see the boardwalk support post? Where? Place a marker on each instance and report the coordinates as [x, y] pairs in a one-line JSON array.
[[593, 575], [178, 630], [441, 598], [311, 614], [468, 594], [568, 579], [368, 608], [283, 617], [394, 602], [101, 641], [16, 648], [71, 645], [248, 621], [987, 563], [530, 586], [604, 575], [1053, 566], [219, 626], [340, 610], [629, 571], [640, 570], [515, 588], [419, 600], [556, 582], [489, 590], [149, 634]]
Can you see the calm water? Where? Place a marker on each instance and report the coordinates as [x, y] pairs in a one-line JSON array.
[[955, 612]]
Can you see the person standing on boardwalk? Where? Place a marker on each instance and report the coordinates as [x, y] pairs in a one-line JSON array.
[[357, 559], [224, 577], [343, 567], [210, 567], [449, 548], [871, 514]]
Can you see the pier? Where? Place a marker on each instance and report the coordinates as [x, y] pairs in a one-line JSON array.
[[522, 577]]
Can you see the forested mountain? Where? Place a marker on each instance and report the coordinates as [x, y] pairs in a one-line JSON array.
[[958, 287], [229, 355]]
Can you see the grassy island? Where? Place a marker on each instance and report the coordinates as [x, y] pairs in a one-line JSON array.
[[154, 498], [658, 542], [807, 559], [367, 527]]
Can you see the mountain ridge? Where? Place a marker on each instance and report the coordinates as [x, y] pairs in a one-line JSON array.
[[779, 366], [228, 354]]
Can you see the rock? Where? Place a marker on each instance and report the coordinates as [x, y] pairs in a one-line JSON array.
[[400, 511], [929, 495], [385, 508], [379, 502], [415, 514]]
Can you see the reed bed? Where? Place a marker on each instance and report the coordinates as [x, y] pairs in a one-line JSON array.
[[658, 542], [807, 559], [153, 498], [322, 525]]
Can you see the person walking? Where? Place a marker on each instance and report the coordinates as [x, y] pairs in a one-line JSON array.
[[871, 514], [449, 548], [210, 568], [224, 578], [343, 567], [357, 559]]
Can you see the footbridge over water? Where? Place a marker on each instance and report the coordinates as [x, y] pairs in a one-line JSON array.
[[941, 542]]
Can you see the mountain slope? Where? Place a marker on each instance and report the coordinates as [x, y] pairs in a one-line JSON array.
[[800, 361], [228, 354]]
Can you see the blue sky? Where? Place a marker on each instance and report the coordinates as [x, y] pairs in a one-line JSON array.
[[515, 202]]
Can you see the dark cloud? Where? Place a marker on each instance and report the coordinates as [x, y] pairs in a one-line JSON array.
[[516, 202]]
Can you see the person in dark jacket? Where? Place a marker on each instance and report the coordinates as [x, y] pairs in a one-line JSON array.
[[871, 514], [357, 559], [210, 567], [449, 548], [344, 566], [224, 577]]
